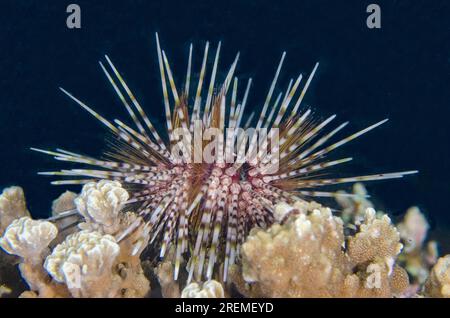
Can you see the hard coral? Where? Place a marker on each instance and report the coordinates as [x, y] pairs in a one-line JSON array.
[[165, 274], [209, 289], [417, 257], [134, 282], [354, 206], [12, 206], [62, 205], [438, 283], [377, 240], [413, 229], [28, 238], [84, 263], [298, 259], [65, 202], [308, 252], [307, 256], [100, 204], [104, 239]]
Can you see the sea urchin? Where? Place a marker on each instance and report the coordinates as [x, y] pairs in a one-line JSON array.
[[202, 191]]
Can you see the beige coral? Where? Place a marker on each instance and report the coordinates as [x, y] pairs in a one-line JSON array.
[[209, 289], [134, 282], [65, 214], [165, 274], [417, 257], [306, 256], [92, 264], [84, 263], [281, 211], [100, 204], [376, 280], [65, 202], [438, 283], [413, 229], [12, 206], [377, 239], [372, 253], [301, 258], [28, 238], [353, 207]]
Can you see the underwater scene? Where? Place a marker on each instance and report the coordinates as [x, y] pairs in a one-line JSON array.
[[242, 149]]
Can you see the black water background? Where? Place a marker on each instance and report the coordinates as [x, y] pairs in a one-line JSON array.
[[401, 72]]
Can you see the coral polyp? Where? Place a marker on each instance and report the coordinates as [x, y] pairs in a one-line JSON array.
[[200, 189]]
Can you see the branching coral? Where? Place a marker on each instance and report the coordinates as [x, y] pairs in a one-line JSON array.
[[134, 282], [301, 258], [308, 252], [417, 258], [65, 202], [165, 274], [12, 206], [84, 263], [100, 204], [92, 264], [353, 207], [373, 252], [438, 283], [76, 261], [377, 240], [307, 256], [209, 289], [413, 229], [30, 239]]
